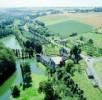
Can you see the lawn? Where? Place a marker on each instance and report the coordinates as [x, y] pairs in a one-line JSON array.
[[85, 84], [66, 28], [50, 49], [32, 92]]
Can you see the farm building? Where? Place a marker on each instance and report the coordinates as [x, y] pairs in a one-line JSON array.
[[46, 61], [52, 62], [63, 53]]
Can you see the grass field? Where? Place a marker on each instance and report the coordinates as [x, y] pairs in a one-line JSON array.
[[32, 92], [97, 38], [93, 19], [50, 49], [85, 84], [64, 24], [66, 28]]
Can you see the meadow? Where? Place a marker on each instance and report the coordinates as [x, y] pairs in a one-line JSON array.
[[82, 80]]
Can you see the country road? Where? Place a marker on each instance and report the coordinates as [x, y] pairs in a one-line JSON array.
[[90, 64]]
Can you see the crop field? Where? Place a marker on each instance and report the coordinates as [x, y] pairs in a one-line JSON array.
[[65, 24], [93, 19], [68, 27]]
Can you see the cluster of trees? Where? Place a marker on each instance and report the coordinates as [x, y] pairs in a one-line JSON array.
[[5, 27], [23, 53], [5, 30], [47, 88], [40, 28], [60, 84], [36, 46], [90, 49], [75, 53], [7, 63], [26, 75]]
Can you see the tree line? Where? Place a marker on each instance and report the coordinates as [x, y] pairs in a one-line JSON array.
[[7, 63]]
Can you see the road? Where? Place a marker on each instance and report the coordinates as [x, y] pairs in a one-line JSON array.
[[90, 64]]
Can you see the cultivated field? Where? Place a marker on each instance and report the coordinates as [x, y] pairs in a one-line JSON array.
[[68, 27], [65, 24], [93, 19]]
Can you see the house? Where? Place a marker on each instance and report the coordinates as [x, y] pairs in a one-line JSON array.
[[46, 61], [57, 59], [63, 53]]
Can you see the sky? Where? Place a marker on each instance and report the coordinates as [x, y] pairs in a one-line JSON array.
[[50, 3]]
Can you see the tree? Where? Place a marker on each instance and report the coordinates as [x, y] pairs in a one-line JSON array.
[[69, 66], [90, 41], [75, 53], [38, 48], [47, 88], [15, 92], [81, 38], [7, 63], [27, 44]]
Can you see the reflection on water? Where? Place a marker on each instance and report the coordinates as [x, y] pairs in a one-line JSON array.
[[16, 78], [5, 88]]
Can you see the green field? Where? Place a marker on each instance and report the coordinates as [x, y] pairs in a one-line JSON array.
[[64, 25], [97, 38], [85, 84], [68, 27]]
